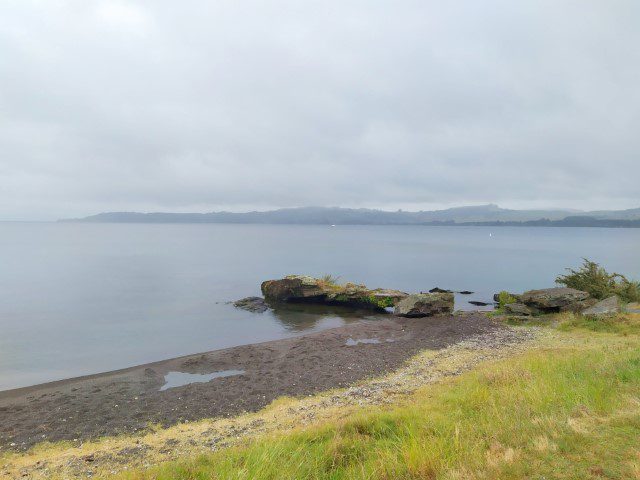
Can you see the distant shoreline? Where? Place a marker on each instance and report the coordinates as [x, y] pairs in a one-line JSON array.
[[543, 223], [474, 216]]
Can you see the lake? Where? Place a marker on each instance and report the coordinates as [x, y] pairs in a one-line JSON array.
[[77, 299]]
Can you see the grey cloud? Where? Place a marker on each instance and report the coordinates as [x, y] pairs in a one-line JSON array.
[[154, 105]]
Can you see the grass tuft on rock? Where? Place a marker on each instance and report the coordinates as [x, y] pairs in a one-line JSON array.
[[329, 280]]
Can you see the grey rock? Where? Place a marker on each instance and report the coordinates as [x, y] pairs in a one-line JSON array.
[[518, 309], [608, 306], [558, 299], [252, 304], [425, 305]]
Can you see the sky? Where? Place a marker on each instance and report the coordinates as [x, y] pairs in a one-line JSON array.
[[199, 106]]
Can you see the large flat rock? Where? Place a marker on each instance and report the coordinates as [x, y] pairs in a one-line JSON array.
[[556, 299], [302, 288]]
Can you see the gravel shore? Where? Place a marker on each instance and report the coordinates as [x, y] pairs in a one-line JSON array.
[[128, 401]]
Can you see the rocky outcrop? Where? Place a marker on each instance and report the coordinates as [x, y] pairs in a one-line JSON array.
[[425, 305], [560, 299], [301, 288], [252, 304], [608, 306]]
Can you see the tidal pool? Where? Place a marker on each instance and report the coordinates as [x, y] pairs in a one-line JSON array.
[[351, 342], [178, 379]]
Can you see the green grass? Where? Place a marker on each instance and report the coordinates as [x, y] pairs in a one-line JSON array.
[[621, 324], [570, 410]]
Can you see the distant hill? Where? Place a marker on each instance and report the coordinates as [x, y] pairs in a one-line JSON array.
[[473, 215]]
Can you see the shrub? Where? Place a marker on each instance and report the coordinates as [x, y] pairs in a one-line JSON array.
[[505, 298], [595, 280]]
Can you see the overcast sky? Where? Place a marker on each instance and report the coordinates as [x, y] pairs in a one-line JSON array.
[[254, 104]]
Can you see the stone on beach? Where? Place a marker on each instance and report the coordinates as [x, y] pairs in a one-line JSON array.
[[608, 306], [302, 288], [425, 305]]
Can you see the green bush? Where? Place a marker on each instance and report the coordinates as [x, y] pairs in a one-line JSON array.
[[595, 280], [505, 298]]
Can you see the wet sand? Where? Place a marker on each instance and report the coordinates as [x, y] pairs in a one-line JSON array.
[[127, 401]]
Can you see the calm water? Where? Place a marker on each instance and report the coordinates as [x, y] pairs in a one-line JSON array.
[[84, 298]]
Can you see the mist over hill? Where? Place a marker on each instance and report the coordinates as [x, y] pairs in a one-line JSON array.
[[468, 215]]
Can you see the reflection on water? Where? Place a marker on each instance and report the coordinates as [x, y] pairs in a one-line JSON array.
[[178, 379], [299, 317]]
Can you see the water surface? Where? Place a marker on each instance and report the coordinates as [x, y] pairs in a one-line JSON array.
[[78, 299]]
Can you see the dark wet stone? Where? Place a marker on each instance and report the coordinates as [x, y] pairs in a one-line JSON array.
[[439, 290], [252, 304]]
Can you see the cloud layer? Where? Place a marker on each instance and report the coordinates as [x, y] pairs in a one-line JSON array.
[[198, 106]]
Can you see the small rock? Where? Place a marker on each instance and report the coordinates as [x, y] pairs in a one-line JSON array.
[[479, 304], [518, 309], [608, 306], [465, 292], [439, 290]]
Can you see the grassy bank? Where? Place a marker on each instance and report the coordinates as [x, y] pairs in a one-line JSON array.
[[569, 409]]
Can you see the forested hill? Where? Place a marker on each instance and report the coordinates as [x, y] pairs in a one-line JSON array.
[[490, 215]]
